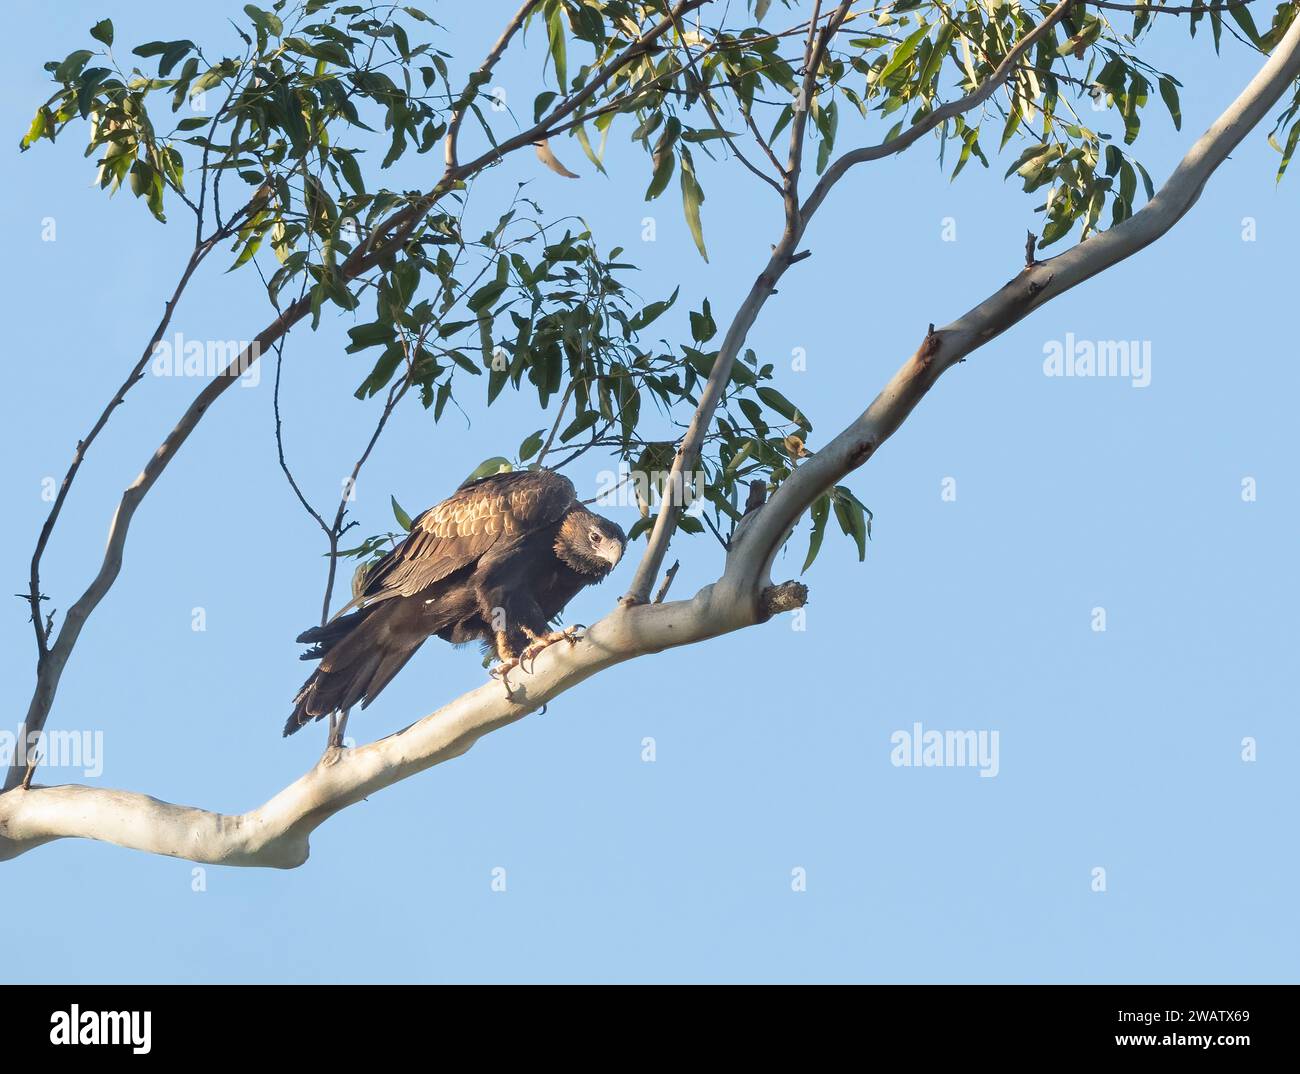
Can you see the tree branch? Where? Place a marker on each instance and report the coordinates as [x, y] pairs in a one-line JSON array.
[[480, 77], [938, 117], [337, 529], [199, 252], [276, 834], [1156, 8]]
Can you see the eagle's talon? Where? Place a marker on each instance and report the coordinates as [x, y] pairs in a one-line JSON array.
[[502, 670], [528, 658]]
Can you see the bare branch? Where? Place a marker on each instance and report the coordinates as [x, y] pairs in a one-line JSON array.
[[555, 426], [938, 117], [200, 251], [276, 834], [480, 77], [1160, 9], [814, 51], [337, 529], [668, 581], [279, 444], [706, 98]]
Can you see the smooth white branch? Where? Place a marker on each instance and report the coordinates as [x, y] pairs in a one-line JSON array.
[[276, 834]]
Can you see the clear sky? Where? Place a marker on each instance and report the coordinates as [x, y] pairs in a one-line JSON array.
[[1118, 749]]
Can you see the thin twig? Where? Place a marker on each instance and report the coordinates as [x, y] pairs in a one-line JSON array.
[[668, 580], [337, 530], [568, 392], [32, 762]]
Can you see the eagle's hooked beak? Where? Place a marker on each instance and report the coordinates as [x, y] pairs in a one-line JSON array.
[[611, 551]]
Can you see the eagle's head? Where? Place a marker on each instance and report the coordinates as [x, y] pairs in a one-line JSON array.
[[589, 543]]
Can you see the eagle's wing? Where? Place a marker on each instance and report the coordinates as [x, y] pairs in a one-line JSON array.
[[456, 533]]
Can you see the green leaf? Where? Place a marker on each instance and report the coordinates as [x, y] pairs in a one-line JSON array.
[[268, 22], [141, 178], [555, 42], [351, 171], [1014, 117], [782, 406], [444, 393], [582, 422], [903, 53], [542, 103], [1055, 230], [1133, 100], [103, 31], [35, 131], [652, 312], [494, 465], [937, 55], [580, 133], [91, 80], [703, 328], [369, 335], [853, 517], [1241, 15], [1169, 92], [1292, 139], [464, 363], [486, 295], [531, 445], [706, 134], [170, 51], [403, 519], [663, 158], [821, 511], [1085, 37], [692, 198], [72, 65]]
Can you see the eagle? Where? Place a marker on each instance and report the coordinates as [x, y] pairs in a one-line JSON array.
[[495, 562]]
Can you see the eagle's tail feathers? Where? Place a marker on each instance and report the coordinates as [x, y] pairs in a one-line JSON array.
[[330, 634], [359, 657], [393, 662]]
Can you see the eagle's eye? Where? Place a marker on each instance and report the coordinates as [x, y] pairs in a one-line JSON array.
[[595, 538]]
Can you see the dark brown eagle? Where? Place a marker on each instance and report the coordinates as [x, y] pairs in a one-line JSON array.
[[496, 562]]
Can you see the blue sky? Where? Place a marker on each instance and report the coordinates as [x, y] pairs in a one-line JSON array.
[[1119, 750]]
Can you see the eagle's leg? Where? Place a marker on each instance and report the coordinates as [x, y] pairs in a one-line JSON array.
[[509, 661], [338, 727], [501, 671], [542, 641], [510, 608]]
